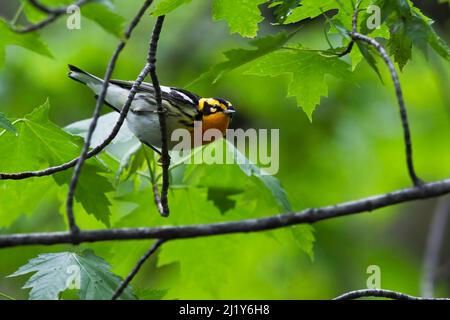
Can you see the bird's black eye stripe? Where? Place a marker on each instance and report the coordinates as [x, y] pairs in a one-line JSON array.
[[222, 101], [216, 108]]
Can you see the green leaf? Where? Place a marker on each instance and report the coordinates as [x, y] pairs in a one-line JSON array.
[[409, 27], [438, 44], [91, 191], [311, 9], [58, 272], [367, 53], [304, 236], [400, 45], [269, 181], [30, 41], [39, 143], [104, 15], [6, 124], [241, 56], [124, 141], [306, 71], [242, 16], [232, 178], [283, 8], [31, 13], [164, 7], [131, 162]]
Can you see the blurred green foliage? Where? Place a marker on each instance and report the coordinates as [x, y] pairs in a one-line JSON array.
[[353, 148]]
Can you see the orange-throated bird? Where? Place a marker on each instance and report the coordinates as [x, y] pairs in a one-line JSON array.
[[183, 107]]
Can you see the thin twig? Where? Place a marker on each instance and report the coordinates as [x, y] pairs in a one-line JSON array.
[[157, 198], [401, 102], [153, 180], [381, 294], [435, 239], [60, 10], [84, 154], [90, 154], [355, 36], [42, 7], [162, 201], [354, 29], [307, 216], [136, 268], [53, 15], [348, 49]]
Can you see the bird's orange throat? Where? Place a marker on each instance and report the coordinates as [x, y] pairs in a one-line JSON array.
[[218, 121]]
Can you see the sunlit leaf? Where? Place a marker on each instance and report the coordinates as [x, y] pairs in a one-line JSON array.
[[105, 16], [306, 71], [56, 272], [39, 143], [164, 7], [311, 9], [241, 56], [242, 16]]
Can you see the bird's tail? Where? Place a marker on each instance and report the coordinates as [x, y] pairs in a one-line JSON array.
[[93, 82]]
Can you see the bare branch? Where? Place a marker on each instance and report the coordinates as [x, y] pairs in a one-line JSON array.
[[435, 239], [401, 102], [95, 151], [157, 198], [161, 201], [136, 268], [355, 36], [381, 294], [354, 29], [308, 216], [84, 154], [53, 15]]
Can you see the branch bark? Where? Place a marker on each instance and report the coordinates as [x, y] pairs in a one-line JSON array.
[[53, 15], [355, 36], [161, 201], [136, 269], [401, 103], [84, 154], [428, 190], [381, 294]]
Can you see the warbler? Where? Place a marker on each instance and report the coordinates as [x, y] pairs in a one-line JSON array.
[[183, 108]]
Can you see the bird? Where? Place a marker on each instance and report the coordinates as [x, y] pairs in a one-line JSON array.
[[183, 108]]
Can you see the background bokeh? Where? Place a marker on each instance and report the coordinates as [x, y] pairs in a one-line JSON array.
[[352, 149]]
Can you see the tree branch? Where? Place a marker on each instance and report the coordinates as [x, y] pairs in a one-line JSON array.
[[381, 294], [53, 14], [401, 102], [355, 36], [161, 201], [428, 190], [84, 154], [354, 29], [95, 151], [136, 268], [435, 239]]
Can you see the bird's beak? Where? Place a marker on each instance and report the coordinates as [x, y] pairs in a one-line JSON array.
[[229, 111]]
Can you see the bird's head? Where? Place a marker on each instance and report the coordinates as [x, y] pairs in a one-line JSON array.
[[215, 113]]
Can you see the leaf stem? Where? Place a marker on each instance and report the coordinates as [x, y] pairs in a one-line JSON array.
[[8, 297], [17, 14]]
